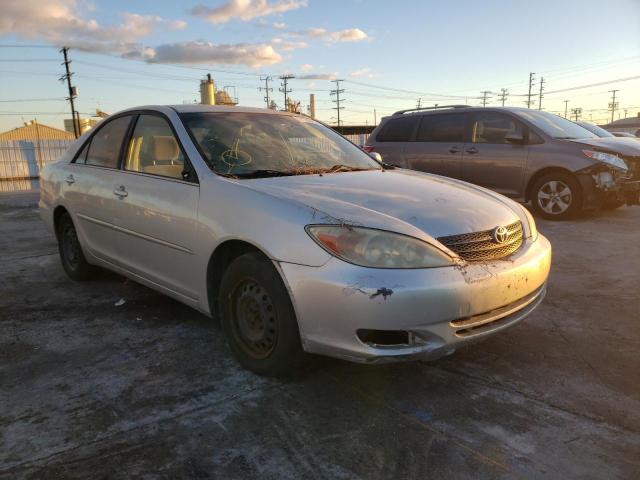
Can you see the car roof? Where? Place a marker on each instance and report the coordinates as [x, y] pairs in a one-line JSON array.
[[457, 108], [198, 108]]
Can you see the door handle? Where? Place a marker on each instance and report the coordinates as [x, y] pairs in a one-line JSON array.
[[454, 150], [70, 180], [471, 150], [120, 192]]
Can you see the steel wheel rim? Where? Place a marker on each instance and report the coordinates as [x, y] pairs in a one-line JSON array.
[[254, 322], [70, 246], [555, 197]]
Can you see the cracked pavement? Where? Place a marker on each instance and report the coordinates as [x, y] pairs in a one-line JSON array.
[[149, 389]]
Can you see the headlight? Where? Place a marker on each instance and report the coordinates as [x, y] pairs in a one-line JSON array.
[[368, 247], [532, 224], [608, 158]]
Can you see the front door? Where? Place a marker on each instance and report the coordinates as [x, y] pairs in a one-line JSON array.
[[489, 159], [438, 145], [90, 182], [158, 208]]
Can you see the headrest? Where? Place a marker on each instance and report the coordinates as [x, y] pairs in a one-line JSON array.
[[165, 148]]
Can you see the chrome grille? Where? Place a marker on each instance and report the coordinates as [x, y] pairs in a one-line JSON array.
[[480, 246]]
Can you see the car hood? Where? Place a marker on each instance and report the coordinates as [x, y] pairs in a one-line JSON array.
[[398, 200], [620, 145]]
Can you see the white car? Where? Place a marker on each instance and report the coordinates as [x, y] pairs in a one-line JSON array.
[[296, 238]]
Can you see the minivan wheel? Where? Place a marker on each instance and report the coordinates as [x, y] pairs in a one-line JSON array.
[[73, 260], [258, 318], [556, 196]]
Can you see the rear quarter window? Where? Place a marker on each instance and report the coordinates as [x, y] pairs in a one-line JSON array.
[[399, 129]]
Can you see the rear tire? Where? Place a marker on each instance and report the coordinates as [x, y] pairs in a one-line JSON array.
[[258, 318], [556, 196], [71, 255]]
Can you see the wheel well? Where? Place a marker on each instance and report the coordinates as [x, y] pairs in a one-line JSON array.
[[57, 213], [543, 172], [221, 258]]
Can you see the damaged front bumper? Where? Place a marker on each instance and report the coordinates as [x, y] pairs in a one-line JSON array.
[[601, 183], [376, 315]]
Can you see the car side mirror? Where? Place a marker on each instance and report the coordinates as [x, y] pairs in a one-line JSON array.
[[376, 156], [515, 137]]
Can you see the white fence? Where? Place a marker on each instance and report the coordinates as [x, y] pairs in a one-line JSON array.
[[22, 159]]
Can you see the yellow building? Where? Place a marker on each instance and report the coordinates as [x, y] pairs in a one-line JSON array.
[[35, 131]]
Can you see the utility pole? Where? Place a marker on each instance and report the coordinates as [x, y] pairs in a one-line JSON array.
[[72, 91], [375, 120], [531, 77], [540, 94], [285, 79], [337, 91], [613, 106], [485, 95], [419, 104], [566, 103], [504, 93], [576, 113], [266, 88]]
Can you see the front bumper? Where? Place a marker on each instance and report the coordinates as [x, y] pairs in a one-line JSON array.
[[441, 308]]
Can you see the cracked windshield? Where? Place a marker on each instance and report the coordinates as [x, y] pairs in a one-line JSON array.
[[247, 144]]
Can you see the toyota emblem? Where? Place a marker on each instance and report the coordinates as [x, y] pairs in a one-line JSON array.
[[500, 234]]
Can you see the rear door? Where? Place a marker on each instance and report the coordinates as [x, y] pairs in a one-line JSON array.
[[393, 137], [489, 159], [158, 207], [438, 145], [89, 185]]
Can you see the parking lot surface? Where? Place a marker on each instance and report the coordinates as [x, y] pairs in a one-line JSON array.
[[108, 379]]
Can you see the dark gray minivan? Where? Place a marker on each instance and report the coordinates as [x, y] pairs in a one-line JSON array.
[[529, 155]]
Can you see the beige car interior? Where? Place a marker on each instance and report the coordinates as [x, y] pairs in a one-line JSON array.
[[155, 154], [496, 133]]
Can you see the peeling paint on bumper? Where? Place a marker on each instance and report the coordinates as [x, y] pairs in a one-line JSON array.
[[333, 301]]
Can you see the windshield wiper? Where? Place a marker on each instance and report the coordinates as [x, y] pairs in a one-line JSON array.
[[342, 168], [260, 173]]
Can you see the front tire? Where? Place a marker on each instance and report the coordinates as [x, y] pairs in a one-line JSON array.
[[556, 196], [71, 255], [258, 318]]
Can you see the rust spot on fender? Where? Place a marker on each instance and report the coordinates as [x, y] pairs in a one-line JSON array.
[[385, 292]]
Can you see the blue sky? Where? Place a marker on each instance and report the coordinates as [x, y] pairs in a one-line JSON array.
[[441, 52]]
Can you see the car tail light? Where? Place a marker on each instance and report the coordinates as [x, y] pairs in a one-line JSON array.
[[367, 148]]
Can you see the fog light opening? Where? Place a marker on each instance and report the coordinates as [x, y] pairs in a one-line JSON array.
[[387, 338]]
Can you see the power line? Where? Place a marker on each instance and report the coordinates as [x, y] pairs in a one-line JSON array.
[[72, 90], [531, 77], [60, 99], [266, 79], [504, 93], [540, 94], [613, 105], [283, 89], [607, 82], [337, 91]]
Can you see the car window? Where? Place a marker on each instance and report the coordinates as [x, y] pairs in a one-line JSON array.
[[398, 129], [153, 149], [441, 128], [81, 157], [492, 127], [104, 149]]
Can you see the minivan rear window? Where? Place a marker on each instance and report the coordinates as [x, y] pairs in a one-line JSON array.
[[441, 128], [398, 129]]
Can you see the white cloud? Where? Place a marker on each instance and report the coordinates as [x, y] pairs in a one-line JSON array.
[[250, 54], [288, 46], [362, 73], [245, 9], [57, 22], [318, 76], [279, 25], [347, 35], [306, 67]]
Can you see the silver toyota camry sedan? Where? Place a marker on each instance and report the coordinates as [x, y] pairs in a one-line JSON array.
[[294, 237]]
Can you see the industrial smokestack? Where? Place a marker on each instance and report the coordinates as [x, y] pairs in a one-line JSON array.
[[208, 91]]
